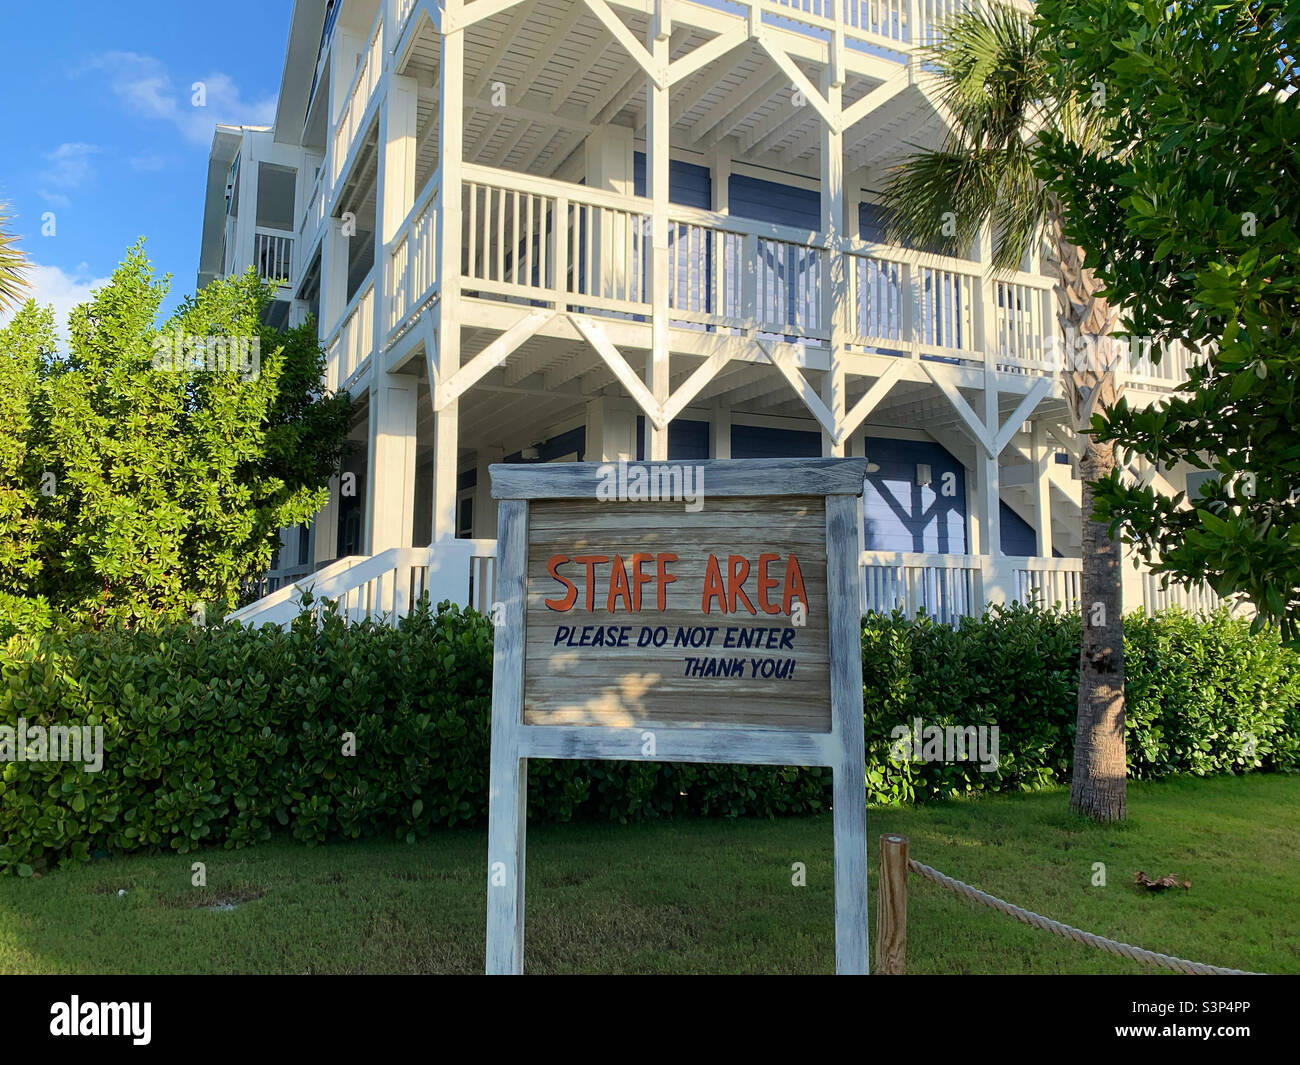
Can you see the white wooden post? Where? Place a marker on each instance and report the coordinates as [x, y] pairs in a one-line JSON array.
[[485, 508], [1043, 458], [657, 137], [835, 299], [849, 813], [390, 515], [508, 772], [720, 432], [451, 136]]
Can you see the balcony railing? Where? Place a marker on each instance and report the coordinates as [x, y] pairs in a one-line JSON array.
[[413, 264], [358, 98], [543, 242], [273, 255], [354, 340]]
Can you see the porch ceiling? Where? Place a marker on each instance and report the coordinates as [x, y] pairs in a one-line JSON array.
[[564, 74]]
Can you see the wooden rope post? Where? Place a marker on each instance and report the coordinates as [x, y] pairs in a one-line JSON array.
[[891, 907]]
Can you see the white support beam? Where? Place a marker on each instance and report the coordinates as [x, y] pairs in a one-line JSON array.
[[655, 68], [450, 389], [862, 408], [973, 424], [451, 142], [802, 386], [705, 54], [598, 339], [1041, 388], [658, 145], [798, 78], [1043, 457], [582, 65]]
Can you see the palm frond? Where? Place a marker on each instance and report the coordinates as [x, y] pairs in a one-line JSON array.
[[990, 74], [13, 268]]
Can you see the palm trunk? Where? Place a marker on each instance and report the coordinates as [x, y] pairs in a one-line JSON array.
[[1097, 789]]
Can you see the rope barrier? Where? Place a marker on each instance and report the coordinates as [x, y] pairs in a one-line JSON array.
[[1034, 920]]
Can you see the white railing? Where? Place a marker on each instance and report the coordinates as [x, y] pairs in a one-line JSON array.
[[273, 255], [1025, 326], [920, 304], [386, 586], [353, 341], [413, 264], [313, 215], [1170, 372], [944, 587], [1048, 582], [1197, 599], [358, 99]]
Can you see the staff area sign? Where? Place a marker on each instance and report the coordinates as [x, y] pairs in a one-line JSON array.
[[639, 622]]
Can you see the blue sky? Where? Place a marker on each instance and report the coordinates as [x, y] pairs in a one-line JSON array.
[[100, 129]]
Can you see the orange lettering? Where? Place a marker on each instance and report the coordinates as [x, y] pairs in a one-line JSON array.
[[793, 585], [665, 578], [739, 571], [591, 562], [571, 596], [765, 583], [713, 588], [618, 586]]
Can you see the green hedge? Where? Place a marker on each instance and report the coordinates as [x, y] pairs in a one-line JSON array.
[[221, 736]]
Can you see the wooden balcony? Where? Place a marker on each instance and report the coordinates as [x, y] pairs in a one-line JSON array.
[[548, 244]]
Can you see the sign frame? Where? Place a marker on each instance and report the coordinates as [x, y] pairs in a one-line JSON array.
[[842, 749]]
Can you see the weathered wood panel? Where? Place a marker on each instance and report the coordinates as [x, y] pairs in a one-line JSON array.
[[667, 645]]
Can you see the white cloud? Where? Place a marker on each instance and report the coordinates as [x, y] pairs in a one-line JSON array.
[[70, 169], [52, 285], [148, 162], [146, 87]]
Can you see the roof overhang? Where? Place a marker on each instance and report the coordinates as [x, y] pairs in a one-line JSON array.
[[225, 146], [305, 27]]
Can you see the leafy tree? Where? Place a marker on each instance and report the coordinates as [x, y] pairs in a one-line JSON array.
[[138, 485], [1194, 224], [992, 75]]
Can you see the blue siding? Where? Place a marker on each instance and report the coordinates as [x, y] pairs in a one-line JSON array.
[[558, 446], [688, 184], [768, 201], [755, 442], [687, 440], [900, 515], [1018, 537]]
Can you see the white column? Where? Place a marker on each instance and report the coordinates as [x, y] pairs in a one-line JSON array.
[[657, 136], [390, 516], [1043, 457], [333, 287], [398, 130], [720, 432], [834, 278], [248, 173], [451, 137], [485, 507]]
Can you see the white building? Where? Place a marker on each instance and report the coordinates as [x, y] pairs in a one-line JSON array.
[[549, 230]]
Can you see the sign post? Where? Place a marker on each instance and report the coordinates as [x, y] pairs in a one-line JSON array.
[[637, 621]]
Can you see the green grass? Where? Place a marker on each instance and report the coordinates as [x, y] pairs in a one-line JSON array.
[[697, 896]]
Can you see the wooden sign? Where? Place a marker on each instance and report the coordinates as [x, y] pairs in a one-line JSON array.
[[719, 627]]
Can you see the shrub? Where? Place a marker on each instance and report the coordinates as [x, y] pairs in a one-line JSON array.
[[221, 736]]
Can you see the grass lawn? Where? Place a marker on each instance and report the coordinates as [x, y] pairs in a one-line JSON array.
[[697, 896]]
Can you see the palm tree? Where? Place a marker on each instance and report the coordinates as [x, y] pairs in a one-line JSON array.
[[13, 264], [993, 78]]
